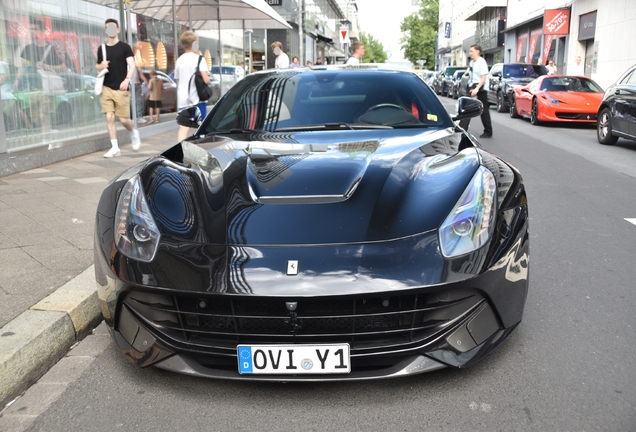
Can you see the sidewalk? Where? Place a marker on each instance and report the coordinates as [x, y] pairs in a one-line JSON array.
[[47, 217]]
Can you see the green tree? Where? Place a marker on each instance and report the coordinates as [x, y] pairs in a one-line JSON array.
[[418, 41], [373, 49]]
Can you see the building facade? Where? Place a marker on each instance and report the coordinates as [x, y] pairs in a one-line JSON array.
[[489, 17], [599, 31], [454, 29], [319, 22]]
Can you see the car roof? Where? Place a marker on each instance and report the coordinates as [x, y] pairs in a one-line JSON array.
[[342, 67]]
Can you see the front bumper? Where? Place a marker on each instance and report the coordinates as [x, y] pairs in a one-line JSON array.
[[398, 343], [561, 113], [394, 327], [401, 305]]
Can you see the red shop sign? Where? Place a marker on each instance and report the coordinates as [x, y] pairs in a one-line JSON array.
[[556, 22]]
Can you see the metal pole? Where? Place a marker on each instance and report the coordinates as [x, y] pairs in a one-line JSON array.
[[133, 82], [301, 38], [248, 32], [220, 50], [122, 17], [189, 16], [175, 23]]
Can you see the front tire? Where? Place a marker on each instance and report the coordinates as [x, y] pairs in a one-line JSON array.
[[513, 108], [501, 105], [604, 128], [534, 115]]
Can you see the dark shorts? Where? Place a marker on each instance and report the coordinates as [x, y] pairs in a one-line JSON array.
[[154, 104]]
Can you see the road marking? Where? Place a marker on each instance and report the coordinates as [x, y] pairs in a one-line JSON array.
[[631, 220]]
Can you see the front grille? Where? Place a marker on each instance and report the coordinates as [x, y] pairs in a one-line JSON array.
[[576, 116], [217, 324]]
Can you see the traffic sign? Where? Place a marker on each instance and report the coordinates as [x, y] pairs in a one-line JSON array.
[[344, 35]]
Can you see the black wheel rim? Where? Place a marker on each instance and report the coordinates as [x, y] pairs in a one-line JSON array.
[[535, 111], [499, 102], [513, 107]]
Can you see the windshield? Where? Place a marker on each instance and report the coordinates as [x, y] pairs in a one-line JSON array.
[[451, 70], [570, 84], [350, 98], [523, 70]]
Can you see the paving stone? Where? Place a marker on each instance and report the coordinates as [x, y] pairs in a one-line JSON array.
[[35, 280], [89, 180], [12, 305], [6, 242], [64, 257], [53, 178], [36, 171]]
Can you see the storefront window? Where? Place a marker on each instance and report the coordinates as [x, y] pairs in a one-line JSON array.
[[49, 57]]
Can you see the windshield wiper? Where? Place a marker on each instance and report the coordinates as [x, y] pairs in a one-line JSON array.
[[331, 126], [233, 131]]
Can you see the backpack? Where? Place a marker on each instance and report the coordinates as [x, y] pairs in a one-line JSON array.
[[203, 91]]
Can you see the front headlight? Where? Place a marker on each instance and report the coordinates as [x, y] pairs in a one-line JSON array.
[[471, 222], [551, 99], [136, 234]]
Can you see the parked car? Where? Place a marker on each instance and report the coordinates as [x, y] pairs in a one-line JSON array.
[[73, 95], [455, 80], [425, 75], [503, 77], [443, 80], [431, 79], [215, 85], [231, 75], [79, 103], [168, 96], [14, 118], [617, 112], [315, 228], [557, 98]]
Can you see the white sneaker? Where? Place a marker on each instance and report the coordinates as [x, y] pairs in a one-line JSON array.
[[136, 141], [112, 153]]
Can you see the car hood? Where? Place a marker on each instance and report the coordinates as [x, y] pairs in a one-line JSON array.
[[314, 187], [593, 100]]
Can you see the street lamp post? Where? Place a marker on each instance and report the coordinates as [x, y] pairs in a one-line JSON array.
[[249, 32]]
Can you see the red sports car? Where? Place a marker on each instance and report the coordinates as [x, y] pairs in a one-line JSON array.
[[557, 98]]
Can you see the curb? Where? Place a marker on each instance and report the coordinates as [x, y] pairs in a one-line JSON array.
[[35, 340]]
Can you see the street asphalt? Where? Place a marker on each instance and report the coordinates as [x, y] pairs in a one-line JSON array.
[[48, 299]]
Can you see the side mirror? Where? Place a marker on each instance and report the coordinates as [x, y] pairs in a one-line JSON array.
[[496, 74], [467, 108], [189, 117]]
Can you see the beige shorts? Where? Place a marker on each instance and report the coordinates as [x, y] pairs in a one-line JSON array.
[[116, 101]]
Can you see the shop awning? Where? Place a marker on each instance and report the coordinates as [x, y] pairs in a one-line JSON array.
[[476, 8], [201, 12], [324, 39]]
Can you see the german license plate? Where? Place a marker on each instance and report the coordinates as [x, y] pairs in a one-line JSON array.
[[294, 359]]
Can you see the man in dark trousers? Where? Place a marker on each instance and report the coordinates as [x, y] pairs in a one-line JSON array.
[[115, 98], [479, 88]]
